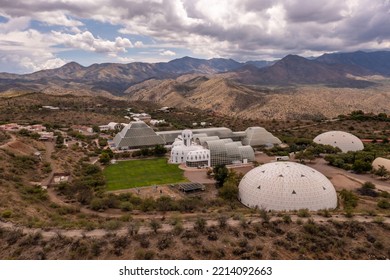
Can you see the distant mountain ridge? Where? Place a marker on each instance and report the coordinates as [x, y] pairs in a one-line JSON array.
[[376, 62], [335, 70]]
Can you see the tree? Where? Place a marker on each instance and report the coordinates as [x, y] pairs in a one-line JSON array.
[[220, 175], [159, 150], [305, 155], [229, 190], [145, 152], [361, 166], [104, 159], [95, 129]]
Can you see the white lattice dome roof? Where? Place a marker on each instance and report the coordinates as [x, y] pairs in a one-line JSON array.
[[286, 186], [340, 139]]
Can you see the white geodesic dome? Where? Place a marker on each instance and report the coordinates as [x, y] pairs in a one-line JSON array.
[[286, 186], [340, 139]]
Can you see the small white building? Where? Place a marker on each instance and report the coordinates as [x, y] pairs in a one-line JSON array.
[[156, 122], [185, 151], [112, 126], [141, 117]]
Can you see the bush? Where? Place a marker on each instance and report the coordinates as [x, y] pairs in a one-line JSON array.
[[126, 206], [303, 213], [368, 189], [6, 214], [222, 221], [112, 225], [133, 228], [384, 204], [144, 255], [155, 225], [164, 242], [286, 219], [97, 204], [200, 224], [144, 242], [349, 198]]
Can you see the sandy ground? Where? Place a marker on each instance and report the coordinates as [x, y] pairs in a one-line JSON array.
[[343, 179]]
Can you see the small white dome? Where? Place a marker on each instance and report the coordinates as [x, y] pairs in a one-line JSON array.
[[343, 140], [286, 186]]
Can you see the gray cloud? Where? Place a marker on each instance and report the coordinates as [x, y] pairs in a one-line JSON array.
[[242, 29]]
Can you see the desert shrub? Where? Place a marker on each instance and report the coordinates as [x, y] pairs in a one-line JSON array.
[[144, 254], [121, 242], [222, 221], [350, 200], [166, 203], [112, 225], [126, 206], [35, 193], [200, 224], [144, 242], [133, 228], [13, 236], [264, 215], [243, 242], [303, 213], [249, 234], [325, 213], [164, 242], [384, 204], [286, 218], [97, 204], [212, 236], [148, 204], [368, 189], [6, 214], [178, 228], [155, 225]]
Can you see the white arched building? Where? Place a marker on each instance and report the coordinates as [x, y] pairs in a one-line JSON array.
[[285, 186], [185, 151], [379, 161]]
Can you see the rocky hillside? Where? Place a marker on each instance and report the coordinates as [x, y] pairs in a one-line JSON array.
[[227, 97]]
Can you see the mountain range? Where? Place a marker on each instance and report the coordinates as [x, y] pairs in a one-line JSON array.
[[196, 82]]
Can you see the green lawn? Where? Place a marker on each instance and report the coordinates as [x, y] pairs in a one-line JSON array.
[[139, 173]]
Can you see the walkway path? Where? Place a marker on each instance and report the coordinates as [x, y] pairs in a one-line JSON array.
[[166, 227], [10, 142]]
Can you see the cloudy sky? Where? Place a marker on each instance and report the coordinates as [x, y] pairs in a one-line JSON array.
[[40, 34]]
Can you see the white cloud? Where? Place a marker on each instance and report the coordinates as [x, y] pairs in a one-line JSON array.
[[123, 59], [86, 41], [14, 24], [139, 44], [29, 62], [240, 29], [167, 53]]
